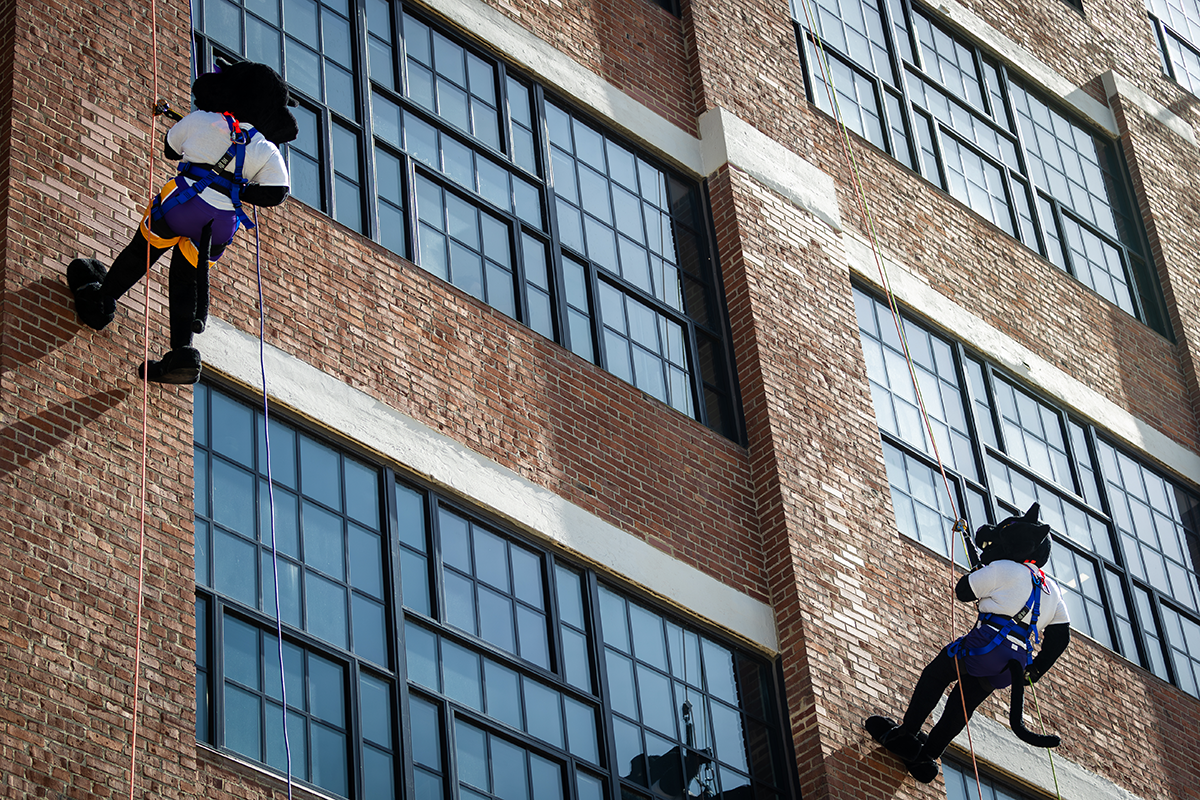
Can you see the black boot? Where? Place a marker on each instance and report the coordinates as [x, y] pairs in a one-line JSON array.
[[95, 308], [924, 767], [179, 366]]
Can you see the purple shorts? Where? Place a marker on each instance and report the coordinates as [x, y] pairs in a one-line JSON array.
[[992, 665], [189, 218]]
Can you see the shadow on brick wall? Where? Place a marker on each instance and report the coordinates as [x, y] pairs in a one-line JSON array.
[[32, 437], [41, 319]]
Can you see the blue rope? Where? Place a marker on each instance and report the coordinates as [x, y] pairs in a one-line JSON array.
[[262, 363]]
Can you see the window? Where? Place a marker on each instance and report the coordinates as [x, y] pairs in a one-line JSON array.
[[947, 110], [446, 157], [1127, 538], [960, 784], [523, 676], [1176, 26]]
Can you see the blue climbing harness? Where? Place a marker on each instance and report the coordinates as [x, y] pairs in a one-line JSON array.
[[203, 177], [1006, 626]]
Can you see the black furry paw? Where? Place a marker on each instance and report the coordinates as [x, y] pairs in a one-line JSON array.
[[179, 366], [84, 277], [904, 745]]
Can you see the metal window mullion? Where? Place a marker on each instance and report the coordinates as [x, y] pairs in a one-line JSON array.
[[360, 46], [596, 642], [396, 649], [1135, 215], [1164, 644], [724, 330], [1023, 162], [559, 307], [1127, 581], [977, 448], [216, 626], [1164, 54], [437, 588]]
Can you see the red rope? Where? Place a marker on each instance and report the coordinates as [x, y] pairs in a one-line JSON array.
[[859, 195], [137, 657]]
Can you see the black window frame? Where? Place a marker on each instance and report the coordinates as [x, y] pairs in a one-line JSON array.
[[712, 395], [1168, 34], [405, 527], [986, 129], [1134, 607]]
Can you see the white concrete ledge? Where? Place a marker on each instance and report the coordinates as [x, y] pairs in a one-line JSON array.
[[411, 445], [724, 137], [999, 747], [1116, 85], [1026, 63]]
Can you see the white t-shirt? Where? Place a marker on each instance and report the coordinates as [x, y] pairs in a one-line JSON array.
[[1003, 587], [203, 138]]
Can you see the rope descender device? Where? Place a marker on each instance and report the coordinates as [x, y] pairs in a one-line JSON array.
[[163, 108]]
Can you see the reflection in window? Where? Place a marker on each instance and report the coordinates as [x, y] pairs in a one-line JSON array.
[[961, 784], [441, 154], [688, 715], [1036, 172], [1177, 25], [517, 668], [1126, 537]]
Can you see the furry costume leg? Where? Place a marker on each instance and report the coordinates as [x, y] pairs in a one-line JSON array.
[[181, 365], [97, 290]]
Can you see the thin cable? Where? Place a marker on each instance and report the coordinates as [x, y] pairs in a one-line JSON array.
[[860, 196], [137, 653], [1049, 751], [262, 363]]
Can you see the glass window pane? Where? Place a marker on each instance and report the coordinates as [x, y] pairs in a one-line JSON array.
[[460, 667], [375, 697], [243, 722], [233, 497], [543, 714], [426, 747], [471, 747], [366, 561], [370, 630], [503, 691], [510, 773], [329, 759], [326, 609], [235, 568]]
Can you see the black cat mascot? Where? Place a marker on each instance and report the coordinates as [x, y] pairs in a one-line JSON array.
[[229, 155], [1018, 605]]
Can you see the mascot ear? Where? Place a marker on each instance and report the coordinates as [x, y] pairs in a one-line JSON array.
[[1031, 516]]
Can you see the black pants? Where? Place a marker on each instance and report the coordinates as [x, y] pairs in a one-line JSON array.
[[935, 679], [187, 285]]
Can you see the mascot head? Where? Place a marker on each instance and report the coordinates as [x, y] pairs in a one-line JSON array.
[[253, 93], [1018, 538]]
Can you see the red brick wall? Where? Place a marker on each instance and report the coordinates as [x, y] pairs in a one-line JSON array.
[[70, 444], [964, 257], [801, 518], [633, 44]]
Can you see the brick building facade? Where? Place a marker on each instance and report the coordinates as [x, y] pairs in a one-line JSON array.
[[594, 471]]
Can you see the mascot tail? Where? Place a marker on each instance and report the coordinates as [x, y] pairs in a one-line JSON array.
[[1016, 710]]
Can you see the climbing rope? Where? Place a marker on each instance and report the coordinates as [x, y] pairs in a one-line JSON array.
[[141, 585], [1049, 753], [262, 363], [868, 220]]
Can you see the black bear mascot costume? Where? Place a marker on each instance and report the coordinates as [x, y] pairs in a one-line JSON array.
[[229, 155], [1018, 605]]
